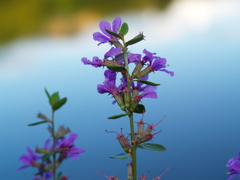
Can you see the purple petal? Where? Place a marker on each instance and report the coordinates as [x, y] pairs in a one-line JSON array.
[[46, 146], [105, 25], [134, 57], [158, 64], [169, 72], [23, 167], [75, 150], [232, 176], [113, 52], [110, 75], [72, 138], [116, 24], [148, 57], [97, 36], [73, 156], [102, 89], [152, 95]]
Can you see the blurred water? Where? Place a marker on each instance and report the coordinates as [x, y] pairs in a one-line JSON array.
[[200, 40]]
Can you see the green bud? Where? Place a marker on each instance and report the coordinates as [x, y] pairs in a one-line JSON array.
[[135, 40]]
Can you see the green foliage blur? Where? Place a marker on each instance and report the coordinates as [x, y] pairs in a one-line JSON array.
[[21, 18]]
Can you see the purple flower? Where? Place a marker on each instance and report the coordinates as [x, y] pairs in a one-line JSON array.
[[104, 36], [96, 62], [113, 52], [109, 84], [67, 147], [234, 165], [156, 63], [29, 160]]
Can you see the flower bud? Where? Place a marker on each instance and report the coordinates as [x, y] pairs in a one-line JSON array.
[[136, 39], [42, 116], [130, 171], [124, 142], [127, 97], [119, 100], [137, 68], [144, 72], [62, 131]]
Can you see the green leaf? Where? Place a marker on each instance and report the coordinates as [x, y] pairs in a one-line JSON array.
[[36, 123], [59, 175], [121, 156], [124, 29], [147, 82], [117, 116], [54, 98], [117, 68], [151, 146], [46, 156], [140, 109], [59, 104], [113, 34], [48, 95]]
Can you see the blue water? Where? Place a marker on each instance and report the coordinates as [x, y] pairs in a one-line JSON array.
[[201, 102]]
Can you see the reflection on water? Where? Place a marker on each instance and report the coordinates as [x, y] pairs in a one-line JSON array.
[[201, 101]]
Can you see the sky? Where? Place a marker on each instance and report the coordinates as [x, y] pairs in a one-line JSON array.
[[199, 39]]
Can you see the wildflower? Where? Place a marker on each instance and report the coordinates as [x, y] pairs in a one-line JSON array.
[[155, 64], [109, 86], [104, 36], [148, 92], [234, 165], [67, 149], [96, 62], [29, 160]]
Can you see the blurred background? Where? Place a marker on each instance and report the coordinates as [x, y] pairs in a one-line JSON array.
[[41, 46]]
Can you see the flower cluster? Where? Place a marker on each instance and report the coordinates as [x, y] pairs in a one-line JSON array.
[[114, 60], [52, 155], [64, 149], [131, 87], [142, 136]]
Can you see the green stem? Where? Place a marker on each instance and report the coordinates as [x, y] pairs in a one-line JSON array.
[[54, 147], [134, 153]]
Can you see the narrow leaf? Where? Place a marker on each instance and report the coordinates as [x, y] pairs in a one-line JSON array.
[[121, 156], [151, 146], [59, 104], [124, 29], [147, 82], [113, 34], [140, 109], [36, 123], [117, 68], [117, 116], [48, 95]]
